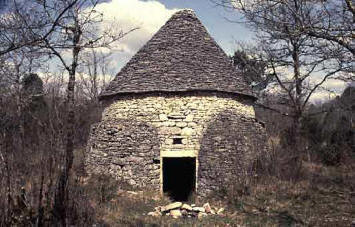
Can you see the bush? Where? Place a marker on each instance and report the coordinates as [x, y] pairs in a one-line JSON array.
[[102, 188]]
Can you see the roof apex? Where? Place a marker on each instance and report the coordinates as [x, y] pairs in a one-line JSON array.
[[185, 12], [181, 56]]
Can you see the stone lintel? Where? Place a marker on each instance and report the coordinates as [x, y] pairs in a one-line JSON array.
[[178, 153]]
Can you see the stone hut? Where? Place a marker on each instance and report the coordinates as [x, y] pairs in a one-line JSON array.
[[178, 117]]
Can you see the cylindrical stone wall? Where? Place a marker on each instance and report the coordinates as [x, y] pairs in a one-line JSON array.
[[229, 147], [137, 131]]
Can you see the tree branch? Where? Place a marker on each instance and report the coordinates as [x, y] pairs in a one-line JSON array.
[[14, 46]]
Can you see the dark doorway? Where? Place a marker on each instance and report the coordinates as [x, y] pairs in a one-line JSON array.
[[179, 177]]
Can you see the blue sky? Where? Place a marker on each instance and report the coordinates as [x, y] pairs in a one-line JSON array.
[[150, 15], [214, 18]]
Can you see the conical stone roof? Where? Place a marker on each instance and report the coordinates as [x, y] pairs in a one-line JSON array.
[[181, 56]]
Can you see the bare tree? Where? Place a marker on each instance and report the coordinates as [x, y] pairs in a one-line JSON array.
[[248, 59], [299, 63], [64, 29], [332, 20], [95, 73], [26, 23], [71, 43], [77, 30]]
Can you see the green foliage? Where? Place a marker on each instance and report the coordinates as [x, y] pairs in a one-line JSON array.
[[253, 68], [102, 188], [32, 84], [331, 134]]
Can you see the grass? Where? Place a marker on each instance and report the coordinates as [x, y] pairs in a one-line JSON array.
[[298, 204], [310, 202], [324, 197], [320, 200]]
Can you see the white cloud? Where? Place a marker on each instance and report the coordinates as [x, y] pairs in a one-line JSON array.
[[332, 89], [336, 85], [148, 16], [322, 96]]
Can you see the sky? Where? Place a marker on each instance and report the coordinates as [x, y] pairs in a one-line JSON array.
[[149, 16], [215, 19]]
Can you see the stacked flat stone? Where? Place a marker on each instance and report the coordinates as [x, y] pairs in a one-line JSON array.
[[180, 85], [181, 56], [179, 209], [135, 133]]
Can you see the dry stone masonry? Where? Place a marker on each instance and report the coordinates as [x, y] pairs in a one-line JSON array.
[[136, 133], [178, 210], [163, 105]]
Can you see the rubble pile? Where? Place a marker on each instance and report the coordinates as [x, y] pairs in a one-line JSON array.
[[179, 209]]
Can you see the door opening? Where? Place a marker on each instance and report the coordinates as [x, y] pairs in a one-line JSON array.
[[179, 177]]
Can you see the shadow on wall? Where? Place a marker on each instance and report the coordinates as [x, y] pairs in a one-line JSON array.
[[228, 150], [126, 149]]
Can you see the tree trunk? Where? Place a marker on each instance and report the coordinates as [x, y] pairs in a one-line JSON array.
[[298, 96], [40, 209], [296, 137], [61, 195]]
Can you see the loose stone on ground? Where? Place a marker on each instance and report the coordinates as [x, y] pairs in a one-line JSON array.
[[178, 209]]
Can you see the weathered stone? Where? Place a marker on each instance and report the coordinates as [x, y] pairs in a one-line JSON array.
[[186, 207], [201, 215], [159, 96], [135, 159], [154, 214], [189, 118], [138, 140], [207, 207], [192, 124], [175, 213], [187, 131], [220, 211], [198, 209], [170, 130], [168, 123], [169, 141], [171, 206], [184, 212], [181, 124], [163, 117]]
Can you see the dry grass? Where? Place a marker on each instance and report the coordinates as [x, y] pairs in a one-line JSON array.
[[322, 199], [289, 204]]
